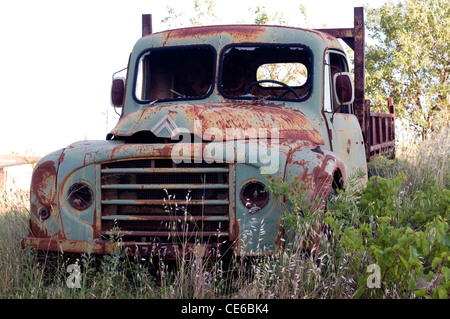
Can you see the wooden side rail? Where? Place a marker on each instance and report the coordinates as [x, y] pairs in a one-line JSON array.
[[381, 132]]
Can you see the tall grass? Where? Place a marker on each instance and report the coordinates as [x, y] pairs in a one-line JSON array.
[[13, 225], [290, 273], [424, 163]]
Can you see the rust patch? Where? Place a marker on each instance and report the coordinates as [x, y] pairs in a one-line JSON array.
[[279, 240], [34, 210], [36, 227], [323, 180], [237, 31], [291, 124], [234, 235], [66, 246], [43, 183]]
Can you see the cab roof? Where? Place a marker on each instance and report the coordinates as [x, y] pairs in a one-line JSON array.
[[221, 35]]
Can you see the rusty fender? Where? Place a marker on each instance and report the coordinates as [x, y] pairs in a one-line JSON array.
[[316, 168], [303, 161], [43, 198]]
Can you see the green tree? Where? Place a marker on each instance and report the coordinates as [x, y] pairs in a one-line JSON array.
[[204, 10], [203, 14], [261, 16], [410, 61]]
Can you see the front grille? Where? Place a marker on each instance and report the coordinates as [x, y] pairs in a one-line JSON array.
[[156, 200]]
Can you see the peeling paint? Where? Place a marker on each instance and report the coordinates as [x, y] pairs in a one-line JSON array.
[[43, 181]]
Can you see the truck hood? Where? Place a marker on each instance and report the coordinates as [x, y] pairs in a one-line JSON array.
[[209, 120]]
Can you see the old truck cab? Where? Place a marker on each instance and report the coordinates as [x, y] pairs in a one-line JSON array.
[[209, 115]]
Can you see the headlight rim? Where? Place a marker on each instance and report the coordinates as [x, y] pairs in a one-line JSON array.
[[80, 195], [259, 205]]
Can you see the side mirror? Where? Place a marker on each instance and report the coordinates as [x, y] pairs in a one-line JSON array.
[[118, 92], [343, 88]]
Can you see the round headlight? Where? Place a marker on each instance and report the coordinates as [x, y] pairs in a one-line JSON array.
[[254, 196], [79, 196], [44, 213]]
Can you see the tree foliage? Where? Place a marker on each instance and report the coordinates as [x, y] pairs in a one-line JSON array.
[[410, 61], [203, 14], [261, 16]]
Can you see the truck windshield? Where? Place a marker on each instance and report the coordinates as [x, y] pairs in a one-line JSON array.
[[273, 72], [175, 73]]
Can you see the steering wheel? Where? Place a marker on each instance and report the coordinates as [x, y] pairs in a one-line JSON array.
[[287, 87]]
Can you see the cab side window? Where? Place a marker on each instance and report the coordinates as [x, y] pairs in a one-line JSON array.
[[334, 63]]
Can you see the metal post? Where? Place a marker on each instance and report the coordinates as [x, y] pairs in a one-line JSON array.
[[146, 24], [359, 66], [366, 129], [391, 107]]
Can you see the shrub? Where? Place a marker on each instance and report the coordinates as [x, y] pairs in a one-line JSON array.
[[405, 240]]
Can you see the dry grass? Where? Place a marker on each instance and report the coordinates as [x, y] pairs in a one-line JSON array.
[[424, 163]]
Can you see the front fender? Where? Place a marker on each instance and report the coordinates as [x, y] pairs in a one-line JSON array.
[[316, 168], [43, 197]]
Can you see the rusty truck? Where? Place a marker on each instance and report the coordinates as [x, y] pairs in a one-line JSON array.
[[208, 115]]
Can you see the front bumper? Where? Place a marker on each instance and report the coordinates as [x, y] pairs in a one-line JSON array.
[[168, 251]]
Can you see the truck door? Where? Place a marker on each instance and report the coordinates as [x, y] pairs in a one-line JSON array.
[[345, 133]]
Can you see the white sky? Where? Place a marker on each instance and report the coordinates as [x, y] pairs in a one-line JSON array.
[[57, 59]]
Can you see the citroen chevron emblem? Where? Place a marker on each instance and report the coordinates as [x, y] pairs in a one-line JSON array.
[[165, 123]]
